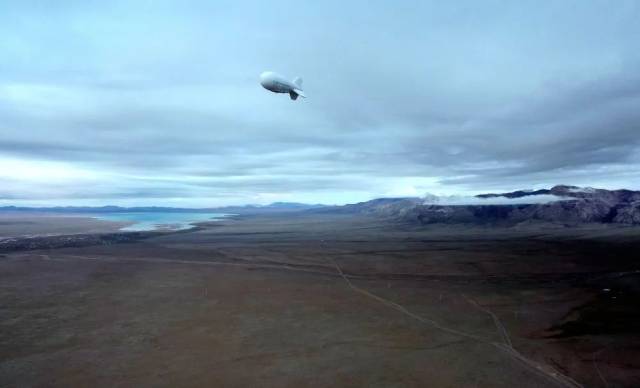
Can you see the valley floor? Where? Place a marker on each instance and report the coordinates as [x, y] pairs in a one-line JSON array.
[[326, 300]]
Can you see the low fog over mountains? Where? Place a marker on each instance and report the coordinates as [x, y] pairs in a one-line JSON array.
[[560, 204]]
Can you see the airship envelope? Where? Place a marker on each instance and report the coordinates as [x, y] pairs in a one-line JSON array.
[[278, 84]]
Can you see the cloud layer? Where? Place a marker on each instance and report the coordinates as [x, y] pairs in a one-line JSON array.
[[159, 103], [454, 200]]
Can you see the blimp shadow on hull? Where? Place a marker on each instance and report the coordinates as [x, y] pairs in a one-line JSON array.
[[278, 84]]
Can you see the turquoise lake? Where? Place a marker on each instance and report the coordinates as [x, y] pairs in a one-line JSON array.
[[158, 220]]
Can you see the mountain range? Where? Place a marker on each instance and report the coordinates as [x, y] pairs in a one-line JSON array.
[[562, 204], [274, 207], [568, 205]]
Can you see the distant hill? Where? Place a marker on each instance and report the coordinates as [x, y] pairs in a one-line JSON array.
[[562, 204], [386, 207], [276, 206]]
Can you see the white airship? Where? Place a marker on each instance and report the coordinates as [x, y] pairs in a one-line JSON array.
[[278, 84]]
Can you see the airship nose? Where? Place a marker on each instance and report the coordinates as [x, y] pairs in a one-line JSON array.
[[263, 78], [266, 79]]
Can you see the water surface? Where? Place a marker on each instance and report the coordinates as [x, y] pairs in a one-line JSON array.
[[159, 220]]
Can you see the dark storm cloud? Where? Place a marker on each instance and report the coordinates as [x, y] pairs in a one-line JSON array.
[[159, 102], [590, 125]]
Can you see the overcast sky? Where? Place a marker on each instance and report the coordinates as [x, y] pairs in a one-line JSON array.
[[158, 103]]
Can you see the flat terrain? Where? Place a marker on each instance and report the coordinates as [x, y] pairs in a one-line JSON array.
[[325, 300], [17, 224]]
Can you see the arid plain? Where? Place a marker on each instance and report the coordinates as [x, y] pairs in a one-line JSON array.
[[319, 300]]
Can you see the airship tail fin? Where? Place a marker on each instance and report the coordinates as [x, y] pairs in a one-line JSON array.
[[298, 82], [295, 93]]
